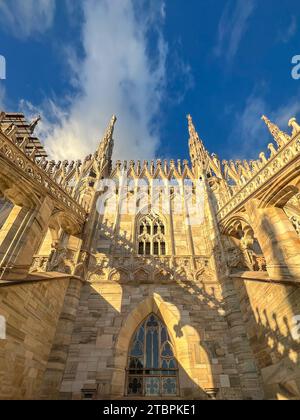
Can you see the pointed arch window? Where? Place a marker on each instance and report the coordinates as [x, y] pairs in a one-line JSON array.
[[152, 366], [151, 236]]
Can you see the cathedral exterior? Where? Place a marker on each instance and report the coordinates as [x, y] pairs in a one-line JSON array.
[[138, 280]]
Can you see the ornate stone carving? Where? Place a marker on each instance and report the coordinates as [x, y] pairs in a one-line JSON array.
[[163, 277], [235, 259], [141, 276], [40, 264], [62, 261], [119, 276]]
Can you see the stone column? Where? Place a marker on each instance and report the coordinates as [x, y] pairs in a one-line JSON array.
[[186, 219], [56, 366], [249, 376], [278, 240], [169, 216], [214, 244], [22, 236]]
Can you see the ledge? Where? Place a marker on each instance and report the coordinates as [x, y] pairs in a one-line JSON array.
[[39, 277], [263, 277]]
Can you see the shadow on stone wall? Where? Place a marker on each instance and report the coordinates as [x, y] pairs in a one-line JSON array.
[[270, 310], [201, 326]]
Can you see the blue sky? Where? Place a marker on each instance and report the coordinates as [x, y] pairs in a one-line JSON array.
[[226, 62]]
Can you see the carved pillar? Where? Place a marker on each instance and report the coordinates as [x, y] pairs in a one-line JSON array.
[[278, 240], [213, 240], [22, 236], [167, 210], [119, 202], [186, 220]]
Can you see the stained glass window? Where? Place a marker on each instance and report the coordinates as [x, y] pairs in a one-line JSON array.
[[152, 366]]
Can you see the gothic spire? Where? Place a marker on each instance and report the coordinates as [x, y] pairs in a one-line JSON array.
[[199, 155], [106, 145], [279, 136]]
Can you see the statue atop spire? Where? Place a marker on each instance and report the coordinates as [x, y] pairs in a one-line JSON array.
[[280, 137]]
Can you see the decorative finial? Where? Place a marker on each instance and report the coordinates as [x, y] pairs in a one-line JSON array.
[[280, 137], [296, 127]]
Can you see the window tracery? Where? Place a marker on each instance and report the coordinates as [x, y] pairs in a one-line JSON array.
[[151, 236], [152, 367]]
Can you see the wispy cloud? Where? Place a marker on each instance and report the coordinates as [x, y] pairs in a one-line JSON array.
[[250, 132], [24, 18], [288, 33], [181, 78], [116, 76], [232, 27]]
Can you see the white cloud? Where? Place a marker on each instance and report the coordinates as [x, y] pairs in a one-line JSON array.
[[251, 133], [232, 27], [116, 76], [23, 18]]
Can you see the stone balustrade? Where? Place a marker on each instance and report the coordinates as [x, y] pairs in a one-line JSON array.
[[262, 174], [39, 171]]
